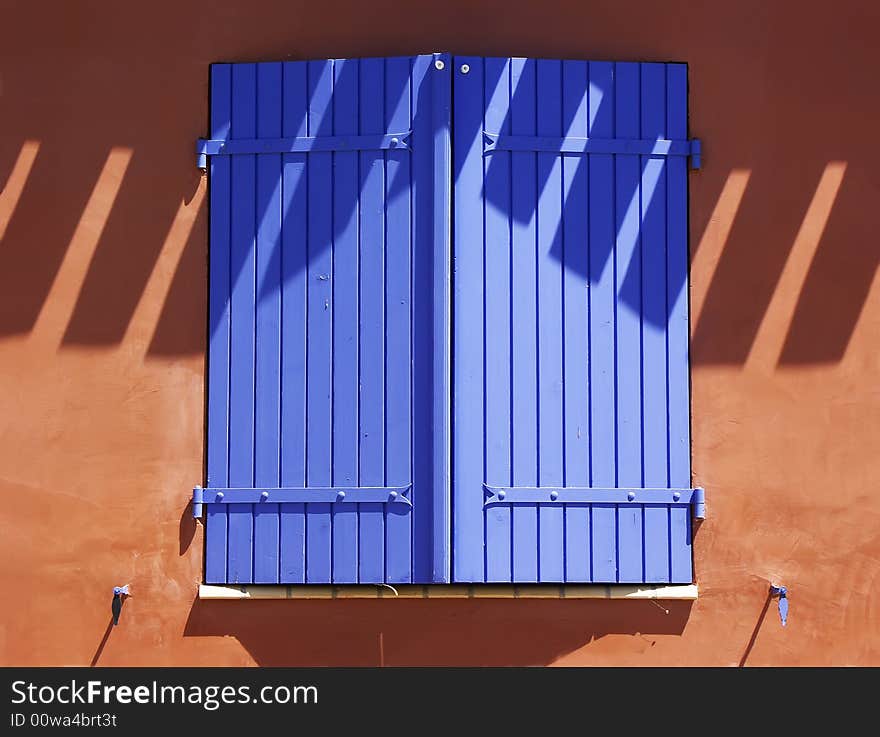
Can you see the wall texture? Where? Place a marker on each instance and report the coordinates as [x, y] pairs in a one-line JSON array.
[[103, 325]]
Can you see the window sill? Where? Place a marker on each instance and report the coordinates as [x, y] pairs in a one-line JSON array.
[[451, 591]]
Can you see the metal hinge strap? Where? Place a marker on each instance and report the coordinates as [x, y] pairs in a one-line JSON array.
[[299, 144], [577, 145], [595, 495], [300, 495]]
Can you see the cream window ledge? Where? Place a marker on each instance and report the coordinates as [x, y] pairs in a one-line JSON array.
[[686, 592]]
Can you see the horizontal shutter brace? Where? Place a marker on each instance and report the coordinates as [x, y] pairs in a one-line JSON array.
[[578, 145], [299, 495], [298, 144], [595, 495]]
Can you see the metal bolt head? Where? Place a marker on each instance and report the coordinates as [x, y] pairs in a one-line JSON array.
[[554, 495], [393, 495], [219, 495], [439, 64], [631, 495], [465, 68], [340, 496], [395, 141], [264, 495], [676, 496], [501, 495]]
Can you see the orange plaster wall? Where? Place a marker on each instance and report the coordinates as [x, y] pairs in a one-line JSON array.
[[103, 323]]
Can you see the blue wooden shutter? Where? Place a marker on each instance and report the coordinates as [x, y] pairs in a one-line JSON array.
[[571, 452], [326, 396]]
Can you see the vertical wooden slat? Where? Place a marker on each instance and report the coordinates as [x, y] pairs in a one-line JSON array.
[[371, 535], [345, 320], [497, 320], [320, 321], [241, 390], [602, 328], [441, 235], [294, 270], [468, 334], [575, 247], [681, 566], [267, 420], [398, 325], [550, 318], [525, 348], [425, 352], [218, 346], [653, 217], [628, 309]]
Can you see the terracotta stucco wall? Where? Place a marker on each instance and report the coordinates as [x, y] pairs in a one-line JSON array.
[[103, 323]]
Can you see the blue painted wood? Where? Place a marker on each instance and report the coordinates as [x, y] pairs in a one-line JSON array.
[[525, 319], [345, 289], [633, 497], [294, 320], [323, 274], [584, 145], [654, 320], [602, 233], [575, 321], [243, 323], [628, 313], [498, 314], [372, 324], [319, 342], [441, 240], [570, 340], [550, 259], [467, 443], [267, 402], [305, 144], [430, 299], [218, 318], [422, 300], [329, 349], [398, 323], [680, 556], [343, 497]]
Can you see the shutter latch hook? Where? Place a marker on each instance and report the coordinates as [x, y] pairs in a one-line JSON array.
[[782, 593]]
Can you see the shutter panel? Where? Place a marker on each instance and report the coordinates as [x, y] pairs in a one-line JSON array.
[[571, 448], [326, 253]]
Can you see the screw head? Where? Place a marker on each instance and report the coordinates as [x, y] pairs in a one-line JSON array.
[[264, 495], [465, 68], [219, 495], [340, 496], [395, 141], [554, 495], [676, 496], [631, 495], [501, 495], [439, 64], [393, 495]]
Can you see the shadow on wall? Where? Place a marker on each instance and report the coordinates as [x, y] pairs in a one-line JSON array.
[[794, 228], [459, 632]]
